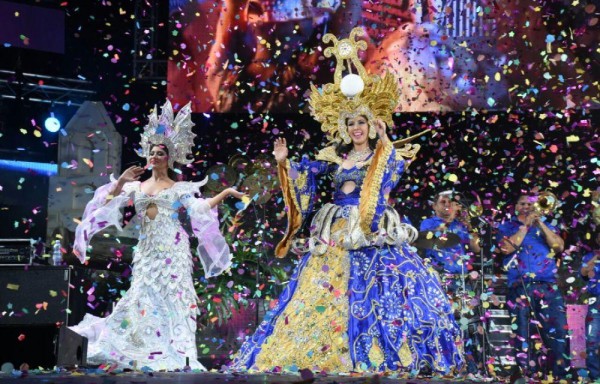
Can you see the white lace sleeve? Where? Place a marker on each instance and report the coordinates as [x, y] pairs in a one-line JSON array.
[[101, 212], [212, 248]]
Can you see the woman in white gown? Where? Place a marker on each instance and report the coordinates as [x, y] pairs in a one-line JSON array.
[[154, 323]]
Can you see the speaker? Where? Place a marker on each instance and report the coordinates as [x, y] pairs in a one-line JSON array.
[[43, 346], [36, 304], [33, 345], [71, 348], [40, 295]]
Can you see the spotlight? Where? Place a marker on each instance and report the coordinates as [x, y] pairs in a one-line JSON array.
[[52, 124]]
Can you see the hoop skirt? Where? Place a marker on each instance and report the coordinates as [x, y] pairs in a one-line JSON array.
[[360, 299], [154, 323]]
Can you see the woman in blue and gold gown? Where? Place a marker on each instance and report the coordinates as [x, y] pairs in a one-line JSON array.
[[360, 298]]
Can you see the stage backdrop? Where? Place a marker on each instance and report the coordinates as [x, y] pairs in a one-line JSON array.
[[257, 56]]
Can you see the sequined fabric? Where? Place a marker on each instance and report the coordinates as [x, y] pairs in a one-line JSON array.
[[358, 301], [312, 329], [398, 308], [394, 315], [154, 323]]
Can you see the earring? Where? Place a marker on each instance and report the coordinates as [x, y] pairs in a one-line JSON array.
[[372, 132], [345, 137]]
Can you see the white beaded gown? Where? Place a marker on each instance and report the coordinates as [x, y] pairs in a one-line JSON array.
[[154, 323]]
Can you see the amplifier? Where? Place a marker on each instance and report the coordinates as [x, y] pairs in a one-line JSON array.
[[41, 295], [15, 252], [43, 346]]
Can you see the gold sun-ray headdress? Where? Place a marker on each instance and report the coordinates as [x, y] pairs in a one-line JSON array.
[[174, 133], [354, 94]]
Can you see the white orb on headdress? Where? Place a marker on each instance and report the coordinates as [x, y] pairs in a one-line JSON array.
[[352, 85]]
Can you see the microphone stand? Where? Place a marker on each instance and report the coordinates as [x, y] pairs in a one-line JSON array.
[[484, 228], [483, 225], [259, 257]]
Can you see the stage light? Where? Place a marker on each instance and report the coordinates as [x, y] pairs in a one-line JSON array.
[[23, 166], [52, 124]]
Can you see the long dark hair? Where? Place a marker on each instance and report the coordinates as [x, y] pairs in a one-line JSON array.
[[343, 148]]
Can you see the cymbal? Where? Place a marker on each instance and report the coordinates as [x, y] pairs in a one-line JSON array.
[[265, 163], [429, 240], [240, 163], [260, 186], [220, 177]]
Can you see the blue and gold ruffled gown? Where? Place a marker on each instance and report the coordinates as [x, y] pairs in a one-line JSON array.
[[360, 298]]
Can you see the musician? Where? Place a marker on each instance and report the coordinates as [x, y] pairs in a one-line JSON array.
[[454, 260], [534, 301], [590, 270]]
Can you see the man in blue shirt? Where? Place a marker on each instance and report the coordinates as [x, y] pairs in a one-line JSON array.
[[534, 300], [453, 261], [590, 269]]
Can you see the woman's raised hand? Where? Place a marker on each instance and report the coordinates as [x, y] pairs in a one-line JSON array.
[[280, 150], [380, 127], [131, 174]]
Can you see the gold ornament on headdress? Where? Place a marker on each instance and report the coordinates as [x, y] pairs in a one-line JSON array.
[[352, 95]]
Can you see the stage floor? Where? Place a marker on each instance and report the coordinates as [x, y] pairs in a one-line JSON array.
[[214, 378]]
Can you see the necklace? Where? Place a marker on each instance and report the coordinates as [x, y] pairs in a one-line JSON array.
[[357, 156]]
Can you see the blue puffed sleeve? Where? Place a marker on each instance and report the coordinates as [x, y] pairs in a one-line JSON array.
[[303, 177], [299, 186]]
